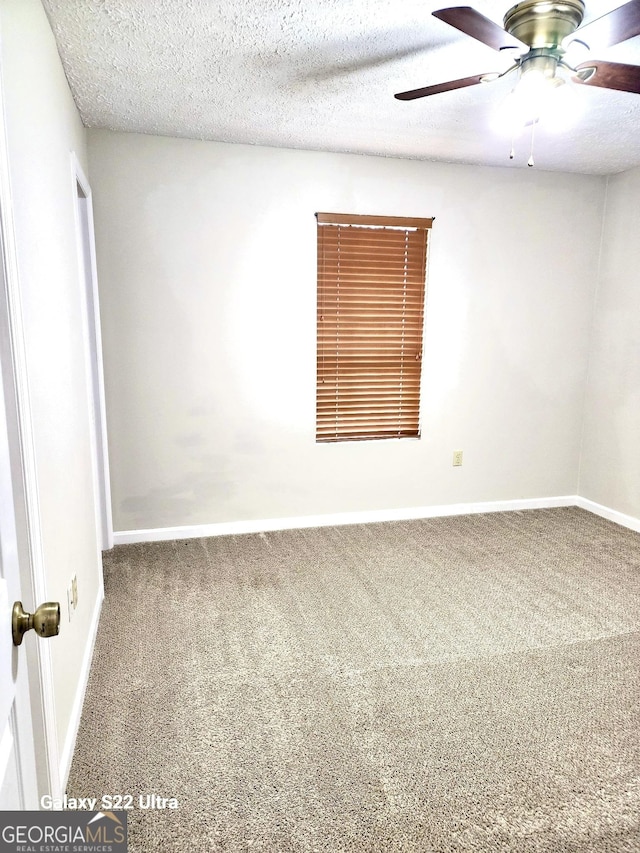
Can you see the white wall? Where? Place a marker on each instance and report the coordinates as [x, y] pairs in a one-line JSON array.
[[610, 466], [43, 127], [209, 330]]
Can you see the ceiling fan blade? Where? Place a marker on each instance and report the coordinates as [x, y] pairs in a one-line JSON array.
[[618, 25], [440, 87], [468, 21], [610, 75]]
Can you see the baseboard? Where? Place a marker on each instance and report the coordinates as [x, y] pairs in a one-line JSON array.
[[66, 754], [611, 514], [160, 534]]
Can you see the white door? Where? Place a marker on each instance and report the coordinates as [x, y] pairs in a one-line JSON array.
[[18, 787], [23, 772]]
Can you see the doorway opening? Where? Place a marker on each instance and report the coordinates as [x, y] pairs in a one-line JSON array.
[[95, 378]]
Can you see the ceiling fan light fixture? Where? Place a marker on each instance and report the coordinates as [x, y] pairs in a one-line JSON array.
[[532, 92], [529, 102]]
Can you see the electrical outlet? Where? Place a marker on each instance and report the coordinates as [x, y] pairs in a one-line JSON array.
[[457, 457]]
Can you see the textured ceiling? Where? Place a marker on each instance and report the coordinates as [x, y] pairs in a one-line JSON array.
[[321, 75]]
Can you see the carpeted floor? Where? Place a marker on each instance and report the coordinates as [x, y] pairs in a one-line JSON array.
[[453, 684]]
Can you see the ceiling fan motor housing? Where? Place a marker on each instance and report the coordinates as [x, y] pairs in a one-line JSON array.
[[544, 23]]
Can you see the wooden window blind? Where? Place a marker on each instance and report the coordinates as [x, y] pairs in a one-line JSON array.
[[371, 290]]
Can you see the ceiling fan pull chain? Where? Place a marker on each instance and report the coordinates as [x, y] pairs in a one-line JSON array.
[[530, 161]]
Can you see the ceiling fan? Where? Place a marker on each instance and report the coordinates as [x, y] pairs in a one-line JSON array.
[[543, 31]]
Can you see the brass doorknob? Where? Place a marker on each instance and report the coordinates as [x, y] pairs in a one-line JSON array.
[[45, 621]]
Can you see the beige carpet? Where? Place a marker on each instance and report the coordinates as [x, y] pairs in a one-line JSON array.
[[454, 684]]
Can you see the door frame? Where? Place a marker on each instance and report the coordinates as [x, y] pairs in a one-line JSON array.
[[25, 486], [88, 275]]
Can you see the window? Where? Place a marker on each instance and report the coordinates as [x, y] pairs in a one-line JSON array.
[[371, 286]]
